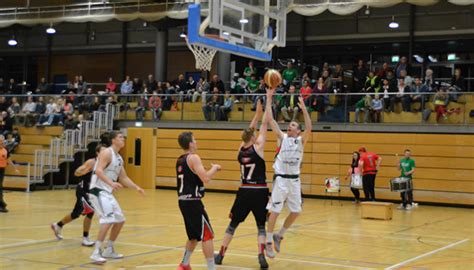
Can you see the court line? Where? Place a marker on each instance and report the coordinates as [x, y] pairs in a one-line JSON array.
[[426, 254], [27, 243], [194, 266]]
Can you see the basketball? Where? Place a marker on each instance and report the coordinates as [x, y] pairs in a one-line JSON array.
[[272, 78]]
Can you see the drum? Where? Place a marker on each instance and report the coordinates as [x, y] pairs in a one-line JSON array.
[[332, 184], [356, 181], [401, 184]]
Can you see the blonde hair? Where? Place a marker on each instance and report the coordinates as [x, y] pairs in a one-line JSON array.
[[247, 134]]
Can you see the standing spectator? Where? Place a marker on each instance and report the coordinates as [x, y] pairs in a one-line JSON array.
[[250, 71], [42, 88], [402, 65], [290, 104], [289, 74], [151, 83], [369, 166], [376, 108], [4, 161], [318, 102], [155, 106], [95, 106], [359, 76], [217, 82], [137, 86], [383, 72], [372, 83], [224, 110], [82, 85], [401, 96], [3, 104], [202, 87], [354, 171], [389, 86], [416, 91], [407, 168], [111, 86], [87, 101], [458, 84], [127, 87], [11, 87]]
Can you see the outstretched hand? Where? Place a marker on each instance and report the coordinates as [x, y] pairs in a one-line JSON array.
[[259, 106], [270, 92], [301, 102]]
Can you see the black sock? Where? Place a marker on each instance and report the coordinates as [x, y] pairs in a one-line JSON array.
[[85, 234], [60, 224]]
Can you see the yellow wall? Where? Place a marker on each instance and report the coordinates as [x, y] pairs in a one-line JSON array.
[[445, 163], [143, 174]]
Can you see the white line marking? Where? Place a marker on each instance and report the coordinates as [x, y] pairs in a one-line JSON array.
[[194, 266], [28, 243], [426, 254]]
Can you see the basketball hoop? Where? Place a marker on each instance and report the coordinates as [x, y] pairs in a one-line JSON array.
[[203, 55]]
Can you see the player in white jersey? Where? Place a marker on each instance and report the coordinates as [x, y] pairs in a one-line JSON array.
[[287, 183], [108, 170]]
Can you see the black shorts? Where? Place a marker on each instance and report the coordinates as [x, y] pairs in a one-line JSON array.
[[198, 226], [81, 192], [248, 200]]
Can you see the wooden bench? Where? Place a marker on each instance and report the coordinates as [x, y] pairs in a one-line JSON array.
[[377, 210]]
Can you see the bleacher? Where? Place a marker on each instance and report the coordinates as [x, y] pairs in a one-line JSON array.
[[445, 163]]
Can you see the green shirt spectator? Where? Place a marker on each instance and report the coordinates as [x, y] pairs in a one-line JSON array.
[[253, 85], [289, 74], [250, 71]]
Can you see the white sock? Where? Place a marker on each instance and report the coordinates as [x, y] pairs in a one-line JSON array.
[[110, 243], [186, 257], [210, 264], [98, 245], [282, 231], [269, 237]]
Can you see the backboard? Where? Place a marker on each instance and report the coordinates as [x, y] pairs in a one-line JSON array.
[[249, 28]]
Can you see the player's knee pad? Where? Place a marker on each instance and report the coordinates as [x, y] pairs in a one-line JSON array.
[[231, 229], [90, 215], [261, 230]]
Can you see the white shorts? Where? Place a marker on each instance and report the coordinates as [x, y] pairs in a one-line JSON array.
[[107, 207], [285, 189]]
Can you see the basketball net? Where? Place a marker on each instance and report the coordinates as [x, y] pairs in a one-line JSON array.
[[203, 55]]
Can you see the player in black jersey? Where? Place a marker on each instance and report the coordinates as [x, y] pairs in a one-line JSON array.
[[252, 195], [190, 176], [82, 206]]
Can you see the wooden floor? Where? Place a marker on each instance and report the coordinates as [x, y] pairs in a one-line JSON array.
[[325, 236]]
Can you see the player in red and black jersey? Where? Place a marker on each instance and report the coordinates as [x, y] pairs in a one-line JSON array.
[[191, 176], [252, 195]]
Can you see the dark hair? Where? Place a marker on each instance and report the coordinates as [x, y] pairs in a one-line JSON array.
[[355, 161], [300, 126], [185, 139], [107, 137], [98, 147], [247, 134], [407, 150]]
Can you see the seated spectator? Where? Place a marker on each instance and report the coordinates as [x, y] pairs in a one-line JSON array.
[[82, 85], [6, 124], [14, 108], [278, 101], [306, 92], [363, 105], [458, 84], [260, 95], [110, 87], [401, 96], [3, 104], [213, 103], [169, 99], [137, 86], [319, 101], [383, 72], [224, 110], [13, 142], [70, 122], [190, 88], [402, 65], [67, 106], [441, 100], [337, 78], [250, 71], [155, 106], [415, 93], [202, 87], [40, 107], [95, 106], [290, 105], [28, 111], [50, 107], [376, 109], [181, 86], [2, 86], [142, 105], [407, 78], [11, 87], [42, 88], [429, 80], [289, 74], [372, 84], [87, 101], [305, 78], [327, 80], [217, 82], [252, 88]]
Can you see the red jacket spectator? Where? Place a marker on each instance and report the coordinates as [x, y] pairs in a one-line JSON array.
[[369, 161], [111, 86]]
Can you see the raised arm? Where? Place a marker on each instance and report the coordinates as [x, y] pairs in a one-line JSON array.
[[268, 108], [262, 133], [195, 164], [308, 126], [85, 168], [257, 116], [126, 181]]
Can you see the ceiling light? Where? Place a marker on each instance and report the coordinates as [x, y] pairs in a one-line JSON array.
[[50, 30], [367, 10], [145, 24], [182, 34], [452, 57], [243, 21], [12, 41], [432, 59], [393, 24], [418, 58], [226, 33]]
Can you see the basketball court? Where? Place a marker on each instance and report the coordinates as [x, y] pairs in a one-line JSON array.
[[325, 237]]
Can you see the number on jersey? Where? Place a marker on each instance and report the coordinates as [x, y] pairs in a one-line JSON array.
[[251, 167]]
